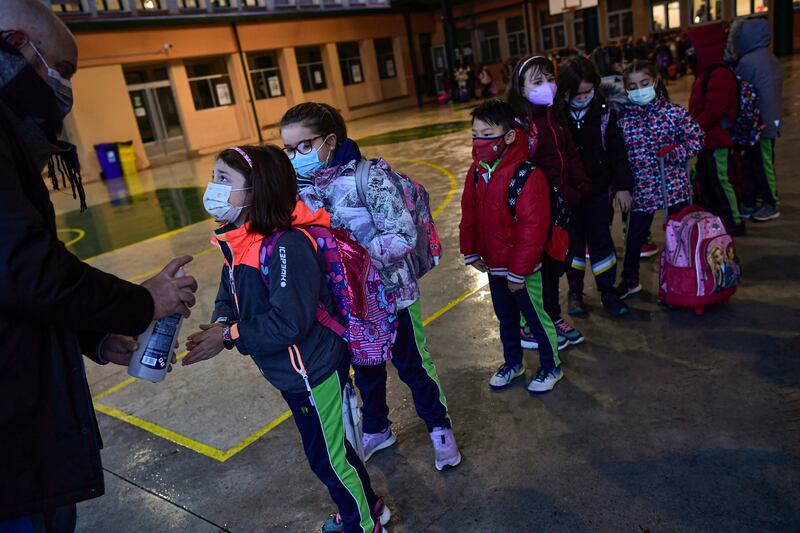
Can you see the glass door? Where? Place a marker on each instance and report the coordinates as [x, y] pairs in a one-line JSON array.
[[158, 119]]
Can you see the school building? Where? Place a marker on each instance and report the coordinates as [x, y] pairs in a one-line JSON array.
[[187, 77]]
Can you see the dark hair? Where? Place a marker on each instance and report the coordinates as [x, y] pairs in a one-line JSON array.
[[515, 95], [638, 65], [602, 61], [322, 119], [495, 112], [572, 75], [274, 187]]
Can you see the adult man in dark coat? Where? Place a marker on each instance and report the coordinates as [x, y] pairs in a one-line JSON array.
[[53, 307]]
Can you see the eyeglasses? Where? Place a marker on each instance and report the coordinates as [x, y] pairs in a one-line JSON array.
[[304, 147]]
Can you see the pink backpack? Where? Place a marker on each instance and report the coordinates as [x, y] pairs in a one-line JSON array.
[[366, 314], [699, 266]]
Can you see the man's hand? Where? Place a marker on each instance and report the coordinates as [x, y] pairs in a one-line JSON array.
[[514, 287], [624, 200], [204, 344], [118, 349], [480, 266], [172, 295]]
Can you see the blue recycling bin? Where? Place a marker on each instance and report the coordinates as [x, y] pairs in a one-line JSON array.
[[108, 155]]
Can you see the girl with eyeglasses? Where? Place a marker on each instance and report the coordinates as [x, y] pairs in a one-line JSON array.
[[325, 159]]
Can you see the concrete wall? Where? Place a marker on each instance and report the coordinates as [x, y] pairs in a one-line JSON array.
[[102, 113]]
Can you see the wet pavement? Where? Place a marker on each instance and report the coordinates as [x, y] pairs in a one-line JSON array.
[[665, 421]]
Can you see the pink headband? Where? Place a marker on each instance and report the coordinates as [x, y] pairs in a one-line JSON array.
[[524, 63], [243, 154]]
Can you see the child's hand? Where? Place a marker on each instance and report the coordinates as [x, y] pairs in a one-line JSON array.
[[624, 200], [204, 344], [480, 266], [514, 287]]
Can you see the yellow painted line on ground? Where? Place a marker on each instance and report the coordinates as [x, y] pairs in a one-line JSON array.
[[151, 239], [224, 455], [81, 234], [452, 304], [450, 176]]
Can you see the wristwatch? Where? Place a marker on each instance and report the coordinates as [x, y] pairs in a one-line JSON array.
[[227, 339]]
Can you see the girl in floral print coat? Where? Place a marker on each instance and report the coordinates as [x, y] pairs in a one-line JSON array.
[[325, 159], [656, 132]]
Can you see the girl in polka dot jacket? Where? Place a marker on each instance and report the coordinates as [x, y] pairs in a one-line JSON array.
[[660, 137]]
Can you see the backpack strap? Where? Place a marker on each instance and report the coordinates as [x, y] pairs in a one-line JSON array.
[[516, 185], [604, 120], [362, 179]]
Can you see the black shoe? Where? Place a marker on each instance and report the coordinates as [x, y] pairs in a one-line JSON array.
[[575, 305], [625, 289], [614, 305]]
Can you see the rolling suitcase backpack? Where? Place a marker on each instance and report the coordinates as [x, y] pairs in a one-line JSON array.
[[699, 266]]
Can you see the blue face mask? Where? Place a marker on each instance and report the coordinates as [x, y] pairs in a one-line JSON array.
[[642, 96], [306, 164], [583, 103]]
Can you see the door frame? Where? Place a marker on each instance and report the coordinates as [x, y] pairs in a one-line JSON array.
[[160, 147]]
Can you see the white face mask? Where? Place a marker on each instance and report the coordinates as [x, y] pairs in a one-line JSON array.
[[216, 202], [61, 86]]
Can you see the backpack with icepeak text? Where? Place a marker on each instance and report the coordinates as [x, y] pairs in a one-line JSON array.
[[748, 126], [366, 313], [428, 251], [558, 237]]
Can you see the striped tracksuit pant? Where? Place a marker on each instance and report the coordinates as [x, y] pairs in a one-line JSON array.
[[529, 303], [591, 228], [414, 367], [758, 167], [329, 454], [713, 182]]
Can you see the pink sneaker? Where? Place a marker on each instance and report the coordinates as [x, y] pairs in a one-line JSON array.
[[445, 448], [649, 250], [375, 442]]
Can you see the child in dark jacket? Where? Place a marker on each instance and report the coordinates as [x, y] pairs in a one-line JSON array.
[[253, 193], [713, 104], [531, 94], [505, 223], [597, 137], [660, 137]]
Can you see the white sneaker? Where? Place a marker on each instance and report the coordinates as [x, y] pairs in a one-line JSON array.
[[505, 375], [375, 442], [544, 381], [445, 449]]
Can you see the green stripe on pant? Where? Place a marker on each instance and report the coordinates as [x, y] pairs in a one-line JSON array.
[[721, 159], [415, 312], [328, 400], [768, 160], [533, 286]]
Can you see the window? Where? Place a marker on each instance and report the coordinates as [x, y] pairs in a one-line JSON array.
[[148, 5], [464, 42], [350, 62], [109, 5], [751, 7], [67, 6], [578, 29], [209, 83], [489, 37], [517, 42], [384, 51], [666, 16], [220, 3], [620, 18], [265, 75], [706, 11], [312, 72], [190, 4], [552, 30]]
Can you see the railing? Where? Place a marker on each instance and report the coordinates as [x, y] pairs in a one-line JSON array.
[[104, 9]]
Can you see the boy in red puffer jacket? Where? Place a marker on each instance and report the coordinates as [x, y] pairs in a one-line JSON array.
[[713, 104], [505, 225]]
